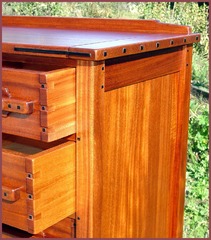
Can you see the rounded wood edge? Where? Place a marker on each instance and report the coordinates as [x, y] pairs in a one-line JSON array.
[[141, 47], [113, 52]]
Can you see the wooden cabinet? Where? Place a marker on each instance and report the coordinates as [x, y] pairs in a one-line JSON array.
[[95, 123]]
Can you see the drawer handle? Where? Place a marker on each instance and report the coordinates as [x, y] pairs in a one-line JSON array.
[[10, 104], [16, 106], [5, 92], [10, 194]]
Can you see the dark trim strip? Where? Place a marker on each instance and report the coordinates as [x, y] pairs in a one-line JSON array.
[[34, 50]]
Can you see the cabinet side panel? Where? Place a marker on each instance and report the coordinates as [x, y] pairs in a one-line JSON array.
[[138, 158], [131, 154]]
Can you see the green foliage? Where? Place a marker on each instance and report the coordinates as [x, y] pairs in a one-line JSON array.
[[185, 13], [197, 185], [200, 71], [93, 9], [32, 8]]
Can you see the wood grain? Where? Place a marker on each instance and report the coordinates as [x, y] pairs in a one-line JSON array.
[[178, 181], [128, 105], [121, 72], [90, 79], [90, 39], [37, 60], [121, 25], [131, 154], [46, 179], [10, 232], [53, 96], [136, 174], [14, 179], [62, 229]]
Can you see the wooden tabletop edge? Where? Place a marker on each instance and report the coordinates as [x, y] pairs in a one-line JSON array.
[[107, 24]]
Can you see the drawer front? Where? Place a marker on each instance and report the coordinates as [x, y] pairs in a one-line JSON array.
[[40, 189], [38, 104], [62, 229]]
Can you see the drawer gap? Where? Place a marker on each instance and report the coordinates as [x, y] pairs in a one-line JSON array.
[[30, 146]]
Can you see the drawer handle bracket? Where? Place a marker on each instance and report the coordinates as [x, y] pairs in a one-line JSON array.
[[16, 106], [10, 194]]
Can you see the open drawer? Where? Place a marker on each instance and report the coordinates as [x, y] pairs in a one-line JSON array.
[[38, 182], [38, 101]]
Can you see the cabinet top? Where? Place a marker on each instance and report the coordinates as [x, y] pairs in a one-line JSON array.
[[90, 38]]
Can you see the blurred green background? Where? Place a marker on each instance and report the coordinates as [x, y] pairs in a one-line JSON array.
[[196, 218]]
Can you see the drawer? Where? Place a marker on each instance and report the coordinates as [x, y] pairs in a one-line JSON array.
[[38, 182], [38, 101], [63, 229], [11, 232]]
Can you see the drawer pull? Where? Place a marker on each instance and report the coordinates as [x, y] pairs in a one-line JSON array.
[[17, 106], [5, 92], [10, 194], [5, 114]]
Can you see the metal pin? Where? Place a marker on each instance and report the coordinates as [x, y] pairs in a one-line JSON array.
[[29, 175], [124, 50], [30, 196]]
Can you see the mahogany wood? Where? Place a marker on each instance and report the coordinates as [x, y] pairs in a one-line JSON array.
[[90, 79], [123, 88], [24, 60], [123, 72], [90, 39], [10, 194], [179, 177], [17, 106], [10, 232], [46, 179], [130, 151], [62, 229], [120, 25], [52, 94]]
